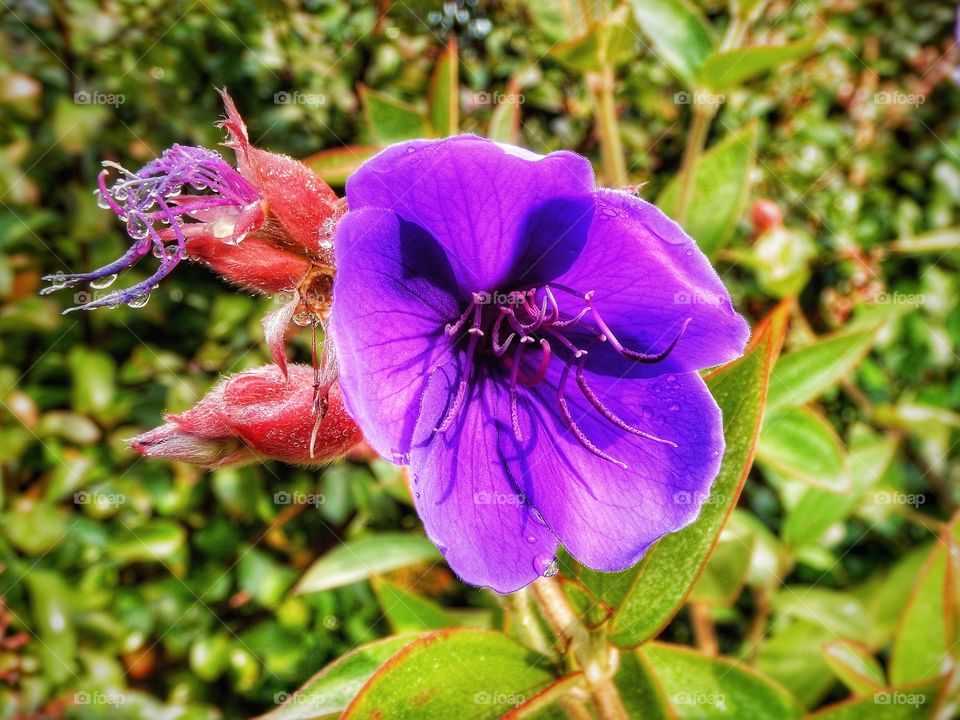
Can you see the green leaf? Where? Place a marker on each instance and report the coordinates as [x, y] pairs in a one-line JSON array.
[[727, 69], [913, 702], [724, 574], [818, 509], [641, 692], [444, 98], [791, 656], [803, 446], [505, 118], [701, 687], [680, 35], [805, 374], [407, 612], [855, 666], [842, 614], [94, 380], [606, 44], [334, 166], [659, 584], [328, 693], [359, 559], [52, 607], [391, 120], [928, 626], [937, 241], [721, 186], [543, 705], [444, 673]]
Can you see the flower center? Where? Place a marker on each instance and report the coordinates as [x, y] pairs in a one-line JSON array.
[[515, 334]]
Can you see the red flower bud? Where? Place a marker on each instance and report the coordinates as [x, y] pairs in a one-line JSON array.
[[257, 414], [765, 215]]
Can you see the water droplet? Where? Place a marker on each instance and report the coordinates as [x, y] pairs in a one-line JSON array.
[[137, 227], [546, 565], [671, 378], [417, 495], [101, 200], [303, 319], [538, 517], [139, 301], [674, 407], [158, 252], [647, 411], [442, 549], [688, 252], [326, 245], [531, 538], [104, 282]]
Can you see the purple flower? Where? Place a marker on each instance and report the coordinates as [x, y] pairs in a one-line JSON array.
[[529, 345], [152, 204]]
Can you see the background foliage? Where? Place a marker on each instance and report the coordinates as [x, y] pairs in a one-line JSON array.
[[141, 589]]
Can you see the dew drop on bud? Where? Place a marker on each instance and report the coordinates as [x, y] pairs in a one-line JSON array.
[[137, 227], [139, 301], [101, 200], [303, 319], [546, 565], [104, 282]]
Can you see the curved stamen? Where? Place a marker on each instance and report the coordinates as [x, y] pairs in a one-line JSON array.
[[461, 388], [609, 414], [607, 334], [541, 372], [574, 428], [498, 348]]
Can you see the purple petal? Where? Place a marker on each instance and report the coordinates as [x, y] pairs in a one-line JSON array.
[[604, 514], [492, 207], [465, 493], [649, 277], [391, 302]]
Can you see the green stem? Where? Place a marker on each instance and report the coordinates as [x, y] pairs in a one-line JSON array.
[[696, 141], [602, 86], [591, 651]]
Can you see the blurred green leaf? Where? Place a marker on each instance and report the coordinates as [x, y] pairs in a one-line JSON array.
[[855, 666], [606, 44], [911, 702], [391, 120], [726, 69], [52, 609], [94, 376], [804, 374], [925, 638], [359, 559], [408, 612], [721, 186], [679, 34], [800, 443], [724, 574], [444, 98]]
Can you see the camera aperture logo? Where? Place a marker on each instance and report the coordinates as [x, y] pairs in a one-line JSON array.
[[283, 497]]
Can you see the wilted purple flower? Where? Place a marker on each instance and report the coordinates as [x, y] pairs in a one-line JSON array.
[[151, 203], [529, 345]]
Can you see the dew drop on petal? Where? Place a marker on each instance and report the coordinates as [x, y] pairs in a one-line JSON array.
[[674, 407], [546, 565], [104, 282], [531, 538], [647, 411]]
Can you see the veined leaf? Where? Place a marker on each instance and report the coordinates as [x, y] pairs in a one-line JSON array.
[[444, 99], [660, 583], [391, 120], [334, 166], [446, 671], [408, 612], [329, 692], [802, 445]]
